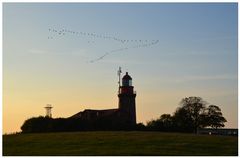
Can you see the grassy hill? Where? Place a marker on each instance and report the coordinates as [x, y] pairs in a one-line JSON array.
[[118, 143]]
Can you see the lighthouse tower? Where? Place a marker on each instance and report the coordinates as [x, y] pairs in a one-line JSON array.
[[127, 97]]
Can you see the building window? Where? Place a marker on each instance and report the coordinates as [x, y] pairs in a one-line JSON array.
[[130, 82], [127, 82]]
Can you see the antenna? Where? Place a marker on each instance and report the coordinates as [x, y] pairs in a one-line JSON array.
[[119, 78], [48, 110]]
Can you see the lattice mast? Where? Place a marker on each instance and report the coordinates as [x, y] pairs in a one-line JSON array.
[[119, 79], [48, 108]]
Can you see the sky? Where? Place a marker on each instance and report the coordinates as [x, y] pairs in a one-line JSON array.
[[68, 54]]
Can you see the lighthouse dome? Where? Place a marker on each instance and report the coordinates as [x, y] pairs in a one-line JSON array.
[[127, 77], [127, 80]]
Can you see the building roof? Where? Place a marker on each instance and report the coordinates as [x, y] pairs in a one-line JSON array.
[[104, 112], [127, 77]]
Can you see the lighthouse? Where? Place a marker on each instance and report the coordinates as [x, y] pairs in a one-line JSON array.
[[124, 117], [126, 102]]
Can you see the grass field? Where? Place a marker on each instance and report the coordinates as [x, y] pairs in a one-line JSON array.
[[118, 143]]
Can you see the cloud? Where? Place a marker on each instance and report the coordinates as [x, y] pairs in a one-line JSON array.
[[36, 51], [207, 78], [80, 53]]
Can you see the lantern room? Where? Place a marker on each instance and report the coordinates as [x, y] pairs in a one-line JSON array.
[[126, 87], [126, 80]]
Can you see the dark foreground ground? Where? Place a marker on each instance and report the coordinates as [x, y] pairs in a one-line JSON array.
[[118, 143]]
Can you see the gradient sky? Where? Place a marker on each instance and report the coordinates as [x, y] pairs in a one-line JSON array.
[[196, 56]]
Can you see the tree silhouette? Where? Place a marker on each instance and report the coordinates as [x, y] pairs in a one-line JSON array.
[[191, 115], [182, 120], [214, 117], [164, 123], [195, 108]]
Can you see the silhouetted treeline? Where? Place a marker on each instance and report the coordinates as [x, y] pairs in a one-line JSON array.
[[47, 124], [191, 115]]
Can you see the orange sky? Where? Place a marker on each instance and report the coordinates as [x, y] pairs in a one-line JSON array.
[[196, 55]]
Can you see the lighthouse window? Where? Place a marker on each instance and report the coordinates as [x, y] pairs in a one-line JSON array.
[[130, 82], [125, 82]]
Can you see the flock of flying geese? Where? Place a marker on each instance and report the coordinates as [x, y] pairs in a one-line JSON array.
[[131, 43]]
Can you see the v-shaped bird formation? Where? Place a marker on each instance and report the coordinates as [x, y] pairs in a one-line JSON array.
[[92, 37]]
